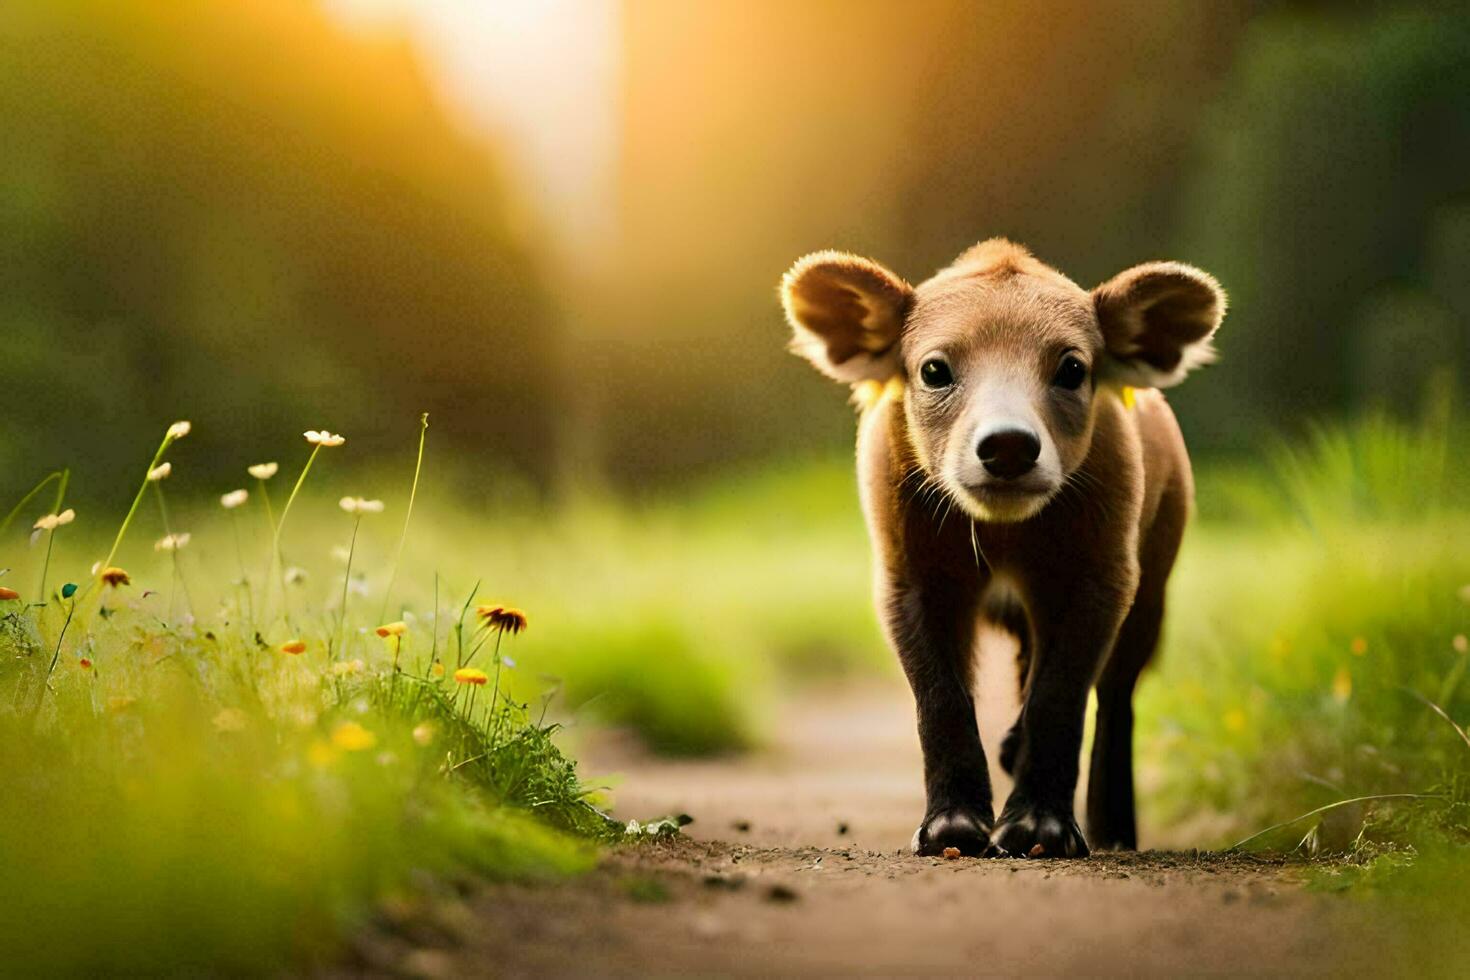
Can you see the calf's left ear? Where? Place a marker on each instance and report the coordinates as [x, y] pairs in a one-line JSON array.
[[1157, 320]]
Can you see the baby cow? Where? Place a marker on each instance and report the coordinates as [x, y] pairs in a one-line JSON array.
[[1015, 465]]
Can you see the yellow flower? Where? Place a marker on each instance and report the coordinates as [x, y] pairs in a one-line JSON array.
[[349, 736], [323, 438], [178, 430], [234, 499], [438, 669], [293, 647], [321, 754], [486, 611], [52, 521], [471, 675], [423, 733], [160, 472], [264, 471], [357, 505], [8, 595], [230, 720], [393, 629], [114, 576], [1342, 685], [1235, 720]]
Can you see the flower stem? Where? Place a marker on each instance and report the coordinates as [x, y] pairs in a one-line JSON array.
[[138, 499], [276, 537], [403, 536], [51, 534], [244, 577], [58, 475], [57, 655], [346, 580], [178, 572]]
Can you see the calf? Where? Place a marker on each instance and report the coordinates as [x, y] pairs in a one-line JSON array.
[[1016, 465]]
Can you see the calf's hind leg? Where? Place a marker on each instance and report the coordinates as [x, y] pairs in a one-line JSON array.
[[1111, 823]]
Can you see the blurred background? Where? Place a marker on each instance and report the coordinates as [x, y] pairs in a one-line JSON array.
[[557, 226]]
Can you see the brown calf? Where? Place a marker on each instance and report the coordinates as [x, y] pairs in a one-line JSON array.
[[1015, 465]]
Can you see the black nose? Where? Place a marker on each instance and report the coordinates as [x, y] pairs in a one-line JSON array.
[[1008, 453]]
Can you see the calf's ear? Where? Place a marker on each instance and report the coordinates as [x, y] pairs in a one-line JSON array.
[[846, 314], [1157, 320]]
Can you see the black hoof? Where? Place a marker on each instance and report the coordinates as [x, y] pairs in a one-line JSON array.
[[1028, 830], [962, 827]]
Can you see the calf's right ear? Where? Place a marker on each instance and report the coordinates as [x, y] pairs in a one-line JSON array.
[[846, 314]]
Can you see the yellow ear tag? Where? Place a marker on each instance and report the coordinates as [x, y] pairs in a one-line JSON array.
[[1129, 398]]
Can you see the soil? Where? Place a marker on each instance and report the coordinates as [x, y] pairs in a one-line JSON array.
[[797, 862]]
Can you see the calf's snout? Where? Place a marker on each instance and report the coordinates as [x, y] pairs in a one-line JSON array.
[[1009, 451]]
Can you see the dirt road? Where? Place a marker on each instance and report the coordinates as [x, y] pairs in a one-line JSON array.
[[797, 864]]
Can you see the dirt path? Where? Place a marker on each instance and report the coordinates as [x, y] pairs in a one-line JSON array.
[[796, 864]]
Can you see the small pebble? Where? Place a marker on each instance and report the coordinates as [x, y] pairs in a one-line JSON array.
[[1036, 851], [951, 853]]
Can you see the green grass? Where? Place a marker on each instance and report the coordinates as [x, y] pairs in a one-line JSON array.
[[185, 795], [1314, 614]]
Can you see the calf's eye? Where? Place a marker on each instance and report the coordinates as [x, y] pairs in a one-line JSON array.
[[935, 374], [1070, 373]]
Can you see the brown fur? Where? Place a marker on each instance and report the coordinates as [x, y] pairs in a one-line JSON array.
[[1072, 553]]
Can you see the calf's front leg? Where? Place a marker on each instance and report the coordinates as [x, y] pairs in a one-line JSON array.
[[1073, 639], [932, 628]]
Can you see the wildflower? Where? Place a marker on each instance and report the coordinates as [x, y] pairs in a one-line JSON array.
[[293, 647], [392, 629], [1235, 720], [114, 576], [234, 499], [264, 471], [295, 576], [160, 472], [171, 542], [344, 668], [321, 754], [323, 438], [349, 736], [357, 585], [423, 733], [178, 430], [508, 662], [503, 618], [471, 675], [438, 669], [84, 663], [52, 521], [1460, 643], [1342, 685], [356, 505], [1359, 646], [8, 595], [341, 555], [230, 720]]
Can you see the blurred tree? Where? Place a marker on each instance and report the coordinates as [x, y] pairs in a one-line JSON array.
[[235, 213], [1329, 192]]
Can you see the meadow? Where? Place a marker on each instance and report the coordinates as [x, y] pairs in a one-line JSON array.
[[275, 706]]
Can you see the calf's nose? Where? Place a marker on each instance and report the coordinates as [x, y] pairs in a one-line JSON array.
[[1009, 452]]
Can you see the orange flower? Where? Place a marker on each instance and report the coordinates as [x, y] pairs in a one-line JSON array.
[[84, 663], [503, 618], [392, 629], [471, 675], [293, 647], [114, 576], [6, 595]]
